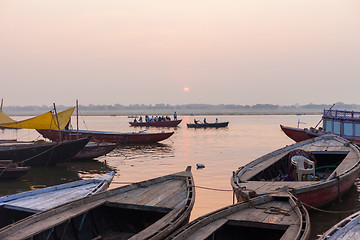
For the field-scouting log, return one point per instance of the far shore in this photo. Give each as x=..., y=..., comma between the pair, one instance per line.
x=181, y=112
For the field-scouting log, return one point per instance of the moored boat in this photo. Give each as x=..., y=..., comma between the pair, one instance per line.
x=168, y=123
x=105, y=136
x=343, y=123
x=346, y=229
x=333, y=165
x=41, y=153
x=10, y=170
x=207, y=125
x=274, y=216
x=150, y=209
x=21, y=205
x=93, y=150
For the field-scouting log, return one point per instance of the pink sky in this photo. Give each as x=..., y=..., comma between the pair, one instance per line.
x=146, y=52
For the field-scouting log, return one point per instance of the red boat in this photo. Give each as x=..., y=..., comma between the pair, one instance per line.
x=297, y=134
x=334, y=161
x=104, y=136
x=170, y=123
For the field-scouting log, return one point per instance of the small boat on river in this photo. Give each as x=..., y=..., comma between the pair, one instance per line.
x=167, y=123
x=332, y=166
x=346, y=229
x=207, y=125
x=41, y=153
x=10, y=170
x=150, y=209
x=21, y=205
x=277, y=216
x=106, y=136
x=94, y=149
x=345, y=124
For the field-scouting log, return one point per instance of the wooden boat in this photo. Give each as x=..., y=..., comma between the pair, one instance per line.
x=207, y=125
x=345, y=124
x=337, y=165
x=150, y=209
x=10, y=170
x=267, y=217
x=42, y=154
x=103, y=136
x=93, y=150
x=170, y=123
x=347, y=229
x=21, y=205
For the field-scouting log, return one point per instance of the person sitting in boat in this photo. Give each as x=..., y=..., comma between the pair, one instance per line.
x=140, y=119
x=216, y=121
x=135, y=120
x=205, y=121
x=196, y=121
x=175, y=116
x=146, y=118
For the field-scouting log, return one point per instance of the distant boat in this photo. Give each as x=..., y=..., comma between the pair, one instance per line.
x=105, y=136
x=346, y=229
x=41, y=153
x=170, y=123
x=10, y=170
x=345, y=124
x=207, y=125
x=150, y=209
x=277, y=215
x=333, y=164
x=93, y=150
x=21, y=205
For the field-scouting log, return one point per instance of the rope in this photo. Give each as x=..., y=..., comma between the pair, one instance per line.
x=50, y=149
x=328, y=211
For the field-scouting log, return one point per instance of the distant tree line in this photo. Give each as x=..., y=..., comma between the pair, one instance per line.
x=169, y=108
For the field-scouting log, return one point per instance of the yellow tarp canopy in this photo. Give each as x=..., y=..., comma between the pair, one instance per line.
x=44, y=121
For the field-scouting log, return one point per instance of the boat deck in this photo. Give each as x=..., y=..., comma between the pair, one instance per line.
x=165, y=195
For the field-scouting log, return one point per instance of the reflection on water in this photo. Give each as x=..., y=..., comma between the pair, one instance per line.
x=221, y=150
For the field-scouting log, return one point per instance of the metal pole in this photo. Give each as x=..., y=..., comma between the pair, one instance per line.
x=77, y=118
x=57, y=120
x=325, y=115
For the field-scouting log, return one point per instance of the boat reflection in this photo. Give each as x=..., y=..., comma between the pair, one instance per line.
x=157, y=150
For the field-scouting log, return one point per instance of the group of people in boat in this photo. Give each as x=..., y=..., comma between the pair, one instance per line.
x=153, y=119
x=204, y=121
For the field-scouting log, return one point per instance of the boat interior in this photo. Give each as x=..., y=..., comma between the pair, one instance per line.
x=325, y=164
x=11, y=214
x=108, y=221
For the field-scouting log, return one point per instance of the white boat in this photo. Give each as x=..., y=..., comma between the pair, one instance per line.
x=18, y=206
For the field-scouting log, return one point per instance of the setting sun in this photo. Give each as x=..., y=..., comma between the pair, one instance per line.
x=186, y=90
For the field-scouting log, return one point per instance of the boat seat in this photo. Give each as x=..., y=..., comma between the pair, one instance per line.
x=299, y=163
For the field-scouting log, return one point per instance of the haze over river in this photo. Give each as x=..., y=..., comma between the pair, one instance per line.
x=221, y=150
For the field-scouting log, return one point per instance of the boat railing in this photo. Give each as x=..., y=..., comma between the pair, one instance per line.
x=341, y=114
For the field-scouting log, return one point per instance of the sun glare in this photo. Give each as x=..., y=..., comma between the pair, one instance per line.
x=186, y=90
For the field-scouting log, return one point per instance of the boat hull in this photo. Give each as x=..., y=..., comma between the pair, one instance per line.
x=296, y=134
x=13, y=173
x=94, y=150
x=172, y=123
x=42, y=154
x=112, y=137
x=207, y=125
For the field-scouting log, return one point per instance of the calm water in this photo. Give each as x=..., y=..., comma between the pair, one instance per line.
x=222, y=151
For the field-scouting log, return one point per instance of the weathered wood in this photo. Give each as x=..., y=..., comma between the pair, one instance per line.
x=158, y=221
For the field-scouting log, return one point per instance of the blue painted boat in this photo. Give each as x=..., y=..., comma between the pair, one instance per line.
x=18, y=206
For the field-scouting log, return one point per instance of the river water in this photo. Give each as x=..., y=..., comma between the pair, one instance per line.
x=221, y=151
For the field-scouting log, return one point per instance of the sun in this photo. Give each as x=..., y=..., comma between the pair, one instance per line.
x=186, y=90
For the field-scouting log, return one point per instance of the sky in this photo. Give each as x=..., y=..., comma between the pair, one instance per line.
x=179, y=52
